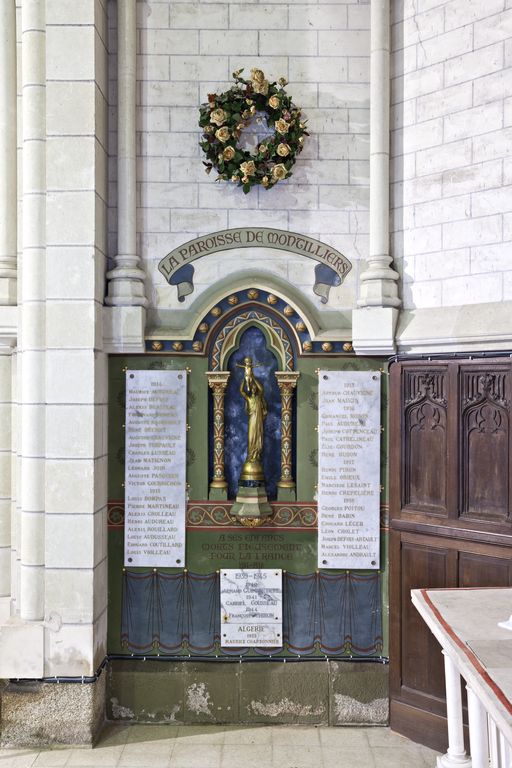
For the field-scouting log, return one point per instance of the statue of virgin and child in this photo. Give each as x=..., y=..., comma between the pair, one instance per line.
x=256, y=408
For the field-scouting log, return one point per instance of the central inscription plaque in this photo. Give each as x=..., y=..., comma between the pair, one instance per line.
x=251, y=608
x=348, y=469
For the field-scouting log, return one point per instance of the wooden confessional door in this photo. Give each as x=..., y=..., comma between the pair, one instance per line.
x=450, y=514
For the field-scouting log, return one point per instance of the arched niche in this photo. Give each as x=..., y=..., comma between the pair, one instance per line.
x=250, y=314
x=255, y=341
x=275, y=341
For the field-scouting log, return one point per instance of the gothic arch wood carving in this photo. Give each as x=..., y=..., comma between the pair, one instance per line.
x=424, y=473
x=485, y=454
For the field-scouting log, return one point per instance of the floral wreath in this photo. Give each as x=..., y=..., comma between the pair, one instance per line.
x=226, y=115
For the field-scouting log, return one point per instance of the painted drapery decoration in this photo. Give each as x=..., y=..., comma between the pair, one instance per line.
x=323, y=613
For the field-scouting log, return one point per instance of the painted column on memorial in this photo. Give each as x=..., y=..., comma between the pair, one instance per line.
x=217, y=381
x=286, y=382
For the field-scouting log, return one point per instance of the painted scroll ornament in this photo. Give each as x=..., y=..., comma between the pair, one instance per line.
x=331, y=270
x=227, y=114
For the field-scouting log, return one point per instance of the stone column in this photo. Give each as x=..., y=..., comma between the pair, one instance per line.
x=456, y=754
x=5, y=484
x=125, y=323
x=8, y=282
x=375, y=321
x=8, y=169
x=217, y=381
x=478, y=736
x=33, y=312
x=497, y=752
x=286, y=486
x=15, y=486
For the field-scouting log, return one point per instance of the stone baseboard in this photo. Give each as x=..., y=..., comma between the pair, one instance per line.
x=36, y=714
x=306, y=692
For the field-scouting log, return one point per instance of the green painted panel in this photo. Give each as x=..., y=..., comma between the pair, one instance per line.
x=210, y=550
x=197, y=445
x=115, y=587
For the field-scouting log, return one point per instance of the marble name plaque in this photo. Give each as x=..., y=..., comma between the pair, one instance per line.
x=251, y=604
x=155, y=468
x=349, y=469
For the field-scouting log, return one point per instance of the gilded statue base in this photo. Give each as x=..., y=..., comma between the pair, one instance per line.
x=251, y=505
x=252, y=471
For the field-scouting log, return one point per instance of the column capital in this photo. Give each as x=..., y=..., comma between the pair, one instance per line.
x=217, y=380
x=287, y=380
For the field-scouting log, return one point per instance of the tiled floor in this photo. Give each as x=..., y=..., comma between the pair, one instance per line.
x=162, y=746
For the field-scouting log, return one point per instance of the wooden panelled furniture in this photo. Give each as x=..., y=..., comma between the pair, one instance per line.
x=450, y=513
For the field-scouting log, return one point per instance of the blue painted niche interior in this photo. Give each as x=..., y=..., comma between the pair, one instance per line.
x=252, y=344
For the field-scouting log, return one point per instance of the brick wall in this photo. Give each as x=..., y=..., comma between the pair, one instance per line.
x=189, y=49
x=451, y=146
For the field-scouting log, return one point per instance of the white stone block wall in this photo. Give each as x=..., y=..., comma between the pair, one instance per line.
x=53, y=390
x=76, y=367
x=451, y=151
x=189, y=49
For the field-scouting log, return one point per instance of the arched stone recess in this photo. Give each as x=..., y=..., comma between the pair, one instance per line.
x=194, y=330
x=311, y=282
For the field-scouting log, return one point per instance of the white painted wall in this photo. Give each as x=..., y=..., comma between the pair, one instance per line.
x=189, y=49
x=451, y=145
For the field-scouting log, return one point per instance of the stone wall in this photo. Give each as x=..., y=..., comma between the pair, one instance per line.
x=54, y=595
x=451, y=138
x=187, y=50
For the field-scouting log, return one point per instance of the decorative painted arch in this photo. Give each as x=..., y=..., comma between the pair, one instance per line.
x=227, y=338
x=275, y=341
x=288, y=328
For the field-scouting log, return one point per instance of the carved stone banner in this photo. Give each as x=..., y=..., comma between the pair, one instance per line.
x=251, y=608
x=348, y=469
x=155, y=469
x=331, y=270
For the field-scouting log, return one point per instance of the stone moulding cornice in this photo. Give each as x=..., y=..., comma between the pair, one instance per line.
x=470, y=327
x=8, y=329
